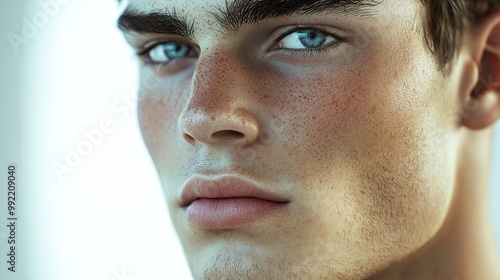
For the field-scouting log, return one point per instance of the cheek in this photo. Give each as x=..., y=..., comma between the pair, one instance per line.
x=404, y=153
x=160, y=105
x=369, y=143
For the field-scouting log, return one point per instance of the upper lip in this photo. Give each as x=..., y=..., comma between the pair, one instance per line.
x=224, y=186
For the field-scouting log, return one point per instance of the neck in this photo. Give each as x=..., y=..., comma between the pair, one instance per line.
x=465, y=246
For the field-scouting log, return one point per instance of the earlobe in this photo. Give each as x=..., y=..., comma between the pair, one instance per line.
x=486, y=94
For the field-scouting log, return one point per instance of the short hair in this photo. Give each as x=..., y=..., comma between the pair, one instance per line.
x=446, y=20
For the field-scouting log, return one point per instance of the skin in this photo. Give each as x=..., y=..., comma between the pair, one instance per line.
x=382, y=156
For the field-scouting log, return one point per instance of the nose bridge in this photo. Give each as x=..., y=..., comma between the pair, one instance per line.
x=216, y=110
x=213, y=81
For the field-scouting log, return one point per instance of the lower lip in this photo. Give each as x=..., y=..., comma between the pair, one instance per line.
x=228, y=213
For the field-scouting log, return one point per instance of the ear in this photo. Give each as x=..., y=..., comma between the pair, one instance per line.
x=485, y=97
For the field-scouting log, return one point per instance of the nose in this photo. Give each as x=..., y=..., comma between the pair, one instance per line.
x=231, y=126
x=219, y=110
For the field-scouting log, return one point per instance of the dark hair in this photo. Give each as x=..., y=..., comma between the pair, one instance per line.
x=446, y=20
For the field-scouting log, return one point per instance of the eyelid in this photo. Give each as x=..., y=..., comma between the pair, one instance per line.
x=145, y=59
x=145, y=48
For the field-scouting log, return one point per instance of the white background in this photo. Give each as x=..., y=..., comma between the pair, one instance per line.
x=106, y=219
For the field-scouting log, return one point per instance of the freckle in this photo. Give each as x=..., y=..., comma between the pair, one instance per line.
x=212, y=118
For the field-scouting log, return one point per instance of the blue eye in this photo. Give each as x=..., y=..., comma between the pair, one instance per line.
x=306, y=39
x=166, y=52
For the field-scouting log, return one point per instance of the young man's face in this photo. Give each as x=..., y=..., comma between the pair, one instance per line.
x=340, y=118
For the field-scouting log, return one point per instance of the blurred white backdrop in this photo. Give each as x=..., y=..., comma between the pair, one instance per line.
x=106, y=219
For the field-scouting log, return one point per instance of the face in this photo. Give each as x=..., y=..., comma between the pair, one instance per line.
x=302, y=146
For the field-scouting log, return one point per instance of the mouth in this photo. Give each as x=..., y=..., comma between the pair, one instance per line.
x=227, y=202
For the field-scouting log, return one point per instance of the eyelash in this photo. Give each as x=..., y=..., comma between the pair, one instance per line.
x=148, y=62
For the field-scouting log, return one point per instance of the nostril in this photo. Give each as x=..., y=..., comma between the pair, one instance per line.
x=229, y=127
x=228, y=134
x=188, y=138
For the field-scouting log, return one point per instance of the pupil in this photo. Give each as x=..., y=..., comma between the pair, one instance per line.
x=175, y=51
x=312, y=38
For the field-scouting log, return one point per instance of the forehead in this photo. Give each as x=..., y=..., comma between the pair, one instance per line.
x=158, y=4
x=194, y=9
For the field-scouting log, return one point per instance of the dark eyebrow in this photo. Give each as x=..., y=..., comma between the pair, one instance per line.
x=165, y=22
x=239, y=12
x=236, y=13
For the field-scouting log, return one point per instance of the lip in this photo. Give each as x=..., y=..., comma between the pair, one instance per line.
x=227, y=202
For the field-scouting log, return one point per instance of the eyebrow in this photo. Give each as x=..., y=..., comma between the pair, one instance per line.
x=236, y=13
x=239, y=12
x=165, y=22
